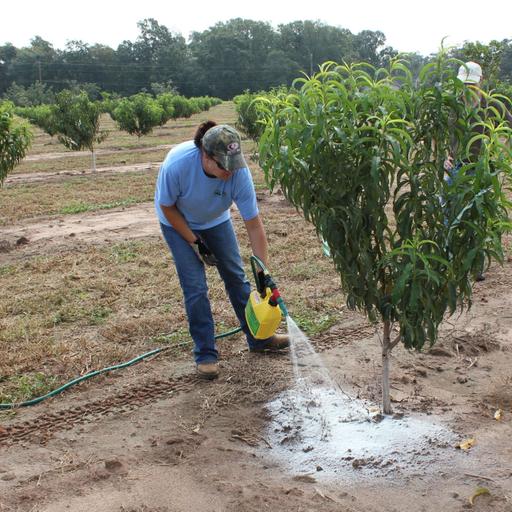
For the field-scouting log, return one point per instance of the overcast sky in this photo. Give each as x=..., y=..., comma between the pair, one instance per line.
x=409, y=25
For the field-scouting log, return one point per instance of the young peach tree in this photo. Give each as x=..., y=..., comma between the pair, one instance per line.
x=139, y=114
x=76, y=120
x=360, y=151
x=15, y=139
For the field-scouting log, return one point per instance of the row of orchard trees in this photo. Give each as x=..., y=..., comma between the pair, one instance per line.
x=361, y=151
x=15, y=139
x=75, y=119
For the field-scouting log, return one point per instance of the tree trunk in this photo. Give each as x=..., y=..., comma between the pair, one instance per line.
x=93, y=160
x=386, y=356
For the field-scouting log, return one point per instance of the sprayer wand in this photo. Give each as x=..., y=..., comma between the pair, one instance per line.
x=264, y=280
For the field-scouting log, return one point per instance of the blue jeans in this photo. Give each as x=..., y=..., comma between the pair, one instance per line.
x=222, y=241
x=452, y=173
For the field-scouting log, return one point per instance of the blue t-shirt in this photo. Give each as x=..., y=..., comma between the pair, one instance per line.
x=204, y=202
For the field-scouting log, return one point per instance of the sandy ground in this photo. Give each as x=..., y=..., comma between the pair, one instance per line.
x=153, y=438
x=54, y=155
x=29, y=178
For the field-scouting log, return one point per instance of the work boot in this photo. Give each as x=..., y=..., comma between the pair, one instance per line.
x=277, y=343
x=208, y=371
x=480, y=277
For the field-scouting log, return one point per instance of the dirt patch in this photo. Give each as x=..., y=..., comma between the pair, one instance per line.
x=67, y=154
x=475, y=344
x=37, y=236
x=28, y=178
x=113, y=225
x=212, y=441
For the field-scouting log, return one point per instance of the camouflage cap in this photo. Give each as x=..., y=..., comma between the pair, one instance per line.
x=223, y=142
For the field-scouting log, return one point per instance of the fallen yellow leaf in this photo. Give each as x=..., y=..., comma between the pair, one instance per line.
x=467, y=444
x=498, y=415
x=479, y=491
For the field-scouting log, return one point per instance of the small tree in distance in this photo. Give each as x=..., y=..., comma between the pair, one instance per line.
x=40, y=116
x=360, y=152
x=139, y=114
x=248, y=115
x=76, y=120
x=15, y=139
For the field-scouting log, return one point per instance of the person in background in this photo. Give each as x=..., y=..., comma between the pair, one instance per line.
x=196, y=186
x=471, y=74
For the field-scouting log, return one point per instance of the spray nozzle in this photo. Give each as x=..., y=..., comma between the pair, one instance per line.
x=282, y=305
x=277, y=300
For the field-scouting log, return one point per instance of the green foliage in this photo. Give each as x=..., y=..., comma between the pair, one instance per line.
x=138, y=114
x=35, y=94
x=249, y=117
x=182, y=107
x=166, y=101
x=77, y=121
x=108, y=102
x=206, y=102
x=92, y=90
x=223, y=60
x=26, y=387
x=163, y=88
x=15, y=139
x=505, y=89
x=360, y=152
x=41, y=116
x=313, y=323
x=176, y=106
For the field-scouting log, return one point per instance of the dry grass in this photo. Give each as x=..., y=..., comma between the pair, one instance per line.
x=68, y=313
x=75, y=195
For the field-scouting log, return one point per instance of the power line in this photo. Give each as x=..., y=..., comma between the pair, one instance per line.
x=121, y=66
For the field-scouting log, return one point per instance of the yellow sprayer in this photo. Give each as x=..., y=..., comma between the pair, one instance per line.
x=262, y=312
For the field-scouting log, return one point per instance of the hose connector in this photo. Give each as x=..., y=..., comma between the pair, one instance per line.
x=282, y=305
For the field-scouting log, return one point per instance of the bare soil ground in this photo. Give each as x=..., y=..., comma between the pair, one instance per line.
x=152, y=438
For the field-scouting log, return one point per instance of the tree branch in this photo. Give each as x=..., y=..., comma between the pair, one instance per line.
x=393, y=344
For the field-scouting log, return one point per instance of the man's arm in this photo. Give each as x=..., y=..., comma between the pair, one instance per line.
x=257, y=238
x=178, y=222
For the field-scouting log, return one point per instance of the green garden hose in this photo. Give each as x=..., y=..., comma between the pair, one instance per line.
x=89, y=375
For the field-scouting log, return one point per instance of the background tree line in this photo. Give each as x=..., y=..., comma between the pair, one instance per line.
x=222, y=61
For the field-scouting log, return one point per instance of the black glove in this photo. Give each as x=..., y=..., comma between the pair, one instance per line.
x=203, y=253
x=261, y=282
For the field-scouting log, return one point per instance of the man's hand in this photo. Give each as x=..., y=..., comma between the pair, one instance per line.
x=448, y=163
x=203, y=253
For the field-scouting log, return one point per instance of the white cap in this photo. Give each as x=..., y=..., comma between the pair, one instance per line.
x=470, y=73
